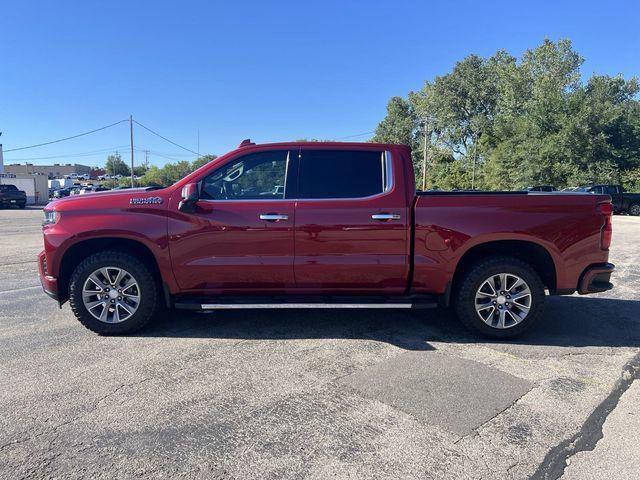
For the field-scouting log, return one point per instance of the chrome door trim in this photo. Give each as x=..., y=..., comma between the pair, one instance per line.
x=385, y=216
x=389, y=185
x=273, y=217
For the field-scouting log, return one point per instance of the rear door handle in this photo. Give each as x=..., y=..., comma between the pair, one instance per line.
x=385, y=216
x=273, y=217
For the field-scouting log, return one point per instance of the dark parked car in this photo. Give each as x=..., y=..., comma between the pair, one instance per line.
x=541, y=188
x=10, y=196
x=622, y=201
x=62, y=192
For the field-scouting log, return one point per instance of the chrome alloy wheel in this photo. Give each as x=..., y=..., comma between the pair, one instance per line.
x=503, y=300
x=111, y=294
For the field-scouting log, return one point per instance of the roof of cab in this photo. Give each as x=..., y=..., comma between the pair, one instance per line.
x=248, y=143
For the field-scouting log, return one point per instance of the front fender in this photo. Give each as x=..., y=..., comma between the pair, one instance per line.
x=80, y=234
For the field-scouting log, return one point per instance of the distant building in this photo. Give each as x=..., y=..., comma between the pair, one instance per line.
x=51, y=171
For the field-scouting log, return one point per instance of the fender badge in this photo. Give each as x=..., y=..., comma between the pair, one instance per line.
x=145, y=201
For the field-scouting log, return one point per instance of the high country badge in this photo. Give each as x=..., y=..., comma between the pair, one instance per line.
x=145, y=201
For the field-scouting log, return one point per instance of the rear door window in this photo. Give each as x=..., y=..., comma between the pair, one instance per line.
x=341, y=174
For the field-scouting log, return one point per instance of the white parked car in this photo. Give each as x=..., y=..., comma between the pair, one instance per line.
x=92, y=189
x=78, y=176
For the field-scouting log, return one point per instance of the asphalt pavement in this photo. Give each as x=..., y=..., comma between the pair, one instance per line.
x=317, y=394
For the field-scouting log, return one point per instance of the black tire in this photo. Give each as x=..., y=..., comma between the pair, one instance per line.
x=149, y=292
x=634, y=209
x=22, y=205
x=465, y=295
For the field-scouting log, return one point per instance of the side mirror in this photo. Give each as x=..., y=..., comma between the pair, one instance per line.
x=190, y=196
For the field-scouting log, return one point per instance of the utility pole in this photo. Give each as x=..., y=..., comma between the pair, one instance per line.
x=113, y=168
x=475, y=159
x=473, y=172
x=146, y=160
x=424, y=158
x=1, y=158
x=131, y=132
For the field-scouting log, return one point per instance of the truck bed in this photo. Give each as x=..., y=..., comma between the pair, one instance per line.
x=448, y=225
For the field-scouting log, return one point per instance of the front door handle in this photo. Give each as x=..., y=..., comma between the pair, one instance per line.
x=273, y=217
x=383, y=217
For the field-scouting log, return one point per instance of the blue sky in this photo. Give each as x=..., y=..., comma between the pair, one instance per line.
x=271, y=71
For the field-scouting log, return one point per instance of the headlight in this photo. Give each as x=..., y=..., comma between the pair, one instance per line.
x=50, y=217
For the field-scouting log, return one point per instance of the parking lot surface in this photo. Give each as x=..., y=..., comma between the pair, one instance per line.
x=316, y=394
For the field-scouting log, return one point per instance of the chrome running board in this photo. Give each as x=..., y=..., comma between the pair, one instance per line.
x=235, y=306
x=227, y=302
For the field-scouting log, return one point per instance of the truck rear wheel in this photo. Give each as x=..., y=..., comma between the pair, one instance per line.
x=500, y=297
x=634, y=209
x=112, y=292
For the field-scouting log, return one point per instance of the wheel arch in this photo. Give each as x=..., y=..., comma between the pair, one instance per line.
x=80, y=250
x=527, y=251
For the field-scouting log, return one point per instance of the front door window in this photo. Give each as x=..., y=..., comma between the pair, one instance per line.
x=257, y=176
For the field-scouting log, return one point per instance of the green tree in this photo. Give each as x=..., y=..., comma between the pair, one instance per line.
x=172, y=172
x=399, y=125
x=116, y=166
x=504, y=123
x=196, y=164
x=139, y=170
x=166, y=175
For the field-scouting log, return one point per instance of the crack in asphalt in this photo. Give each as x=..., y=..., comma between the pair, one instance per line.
x=555, y=462
x=55, y=428
x=476, y=431
x=18, y=263
x=20, y=289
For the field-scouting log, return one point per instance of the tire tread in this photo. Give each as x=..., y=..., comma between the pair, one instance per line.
x=478, y=272
x=144, y=277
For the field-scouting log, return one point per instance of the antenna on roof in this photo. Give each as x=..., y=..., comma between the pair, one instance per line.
x=246, y=142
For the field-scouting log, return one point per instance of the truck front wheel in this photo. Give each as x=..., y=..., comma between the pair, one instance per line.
x=500, y=297
x=112, y=292
x=634, y=209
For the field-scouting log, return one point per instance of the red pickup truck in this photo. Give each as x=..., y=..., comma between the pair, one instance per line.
x=321, y=225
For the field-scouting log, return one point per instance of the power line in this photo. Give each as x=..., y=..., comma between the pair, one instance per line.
x=176, y=159
x=164, y=156
x=356, y=135
x=166, y=139
x=171, y=154
x=67, y=138
x=70, y=155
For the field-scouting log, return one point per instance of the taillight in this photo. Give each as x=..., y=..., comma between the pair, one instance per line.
x=606, y=210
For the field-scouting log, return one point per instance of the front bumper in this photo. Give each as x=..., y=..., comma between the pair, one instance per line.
x=596, y=278
x=49, y=283
x=10, y=203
